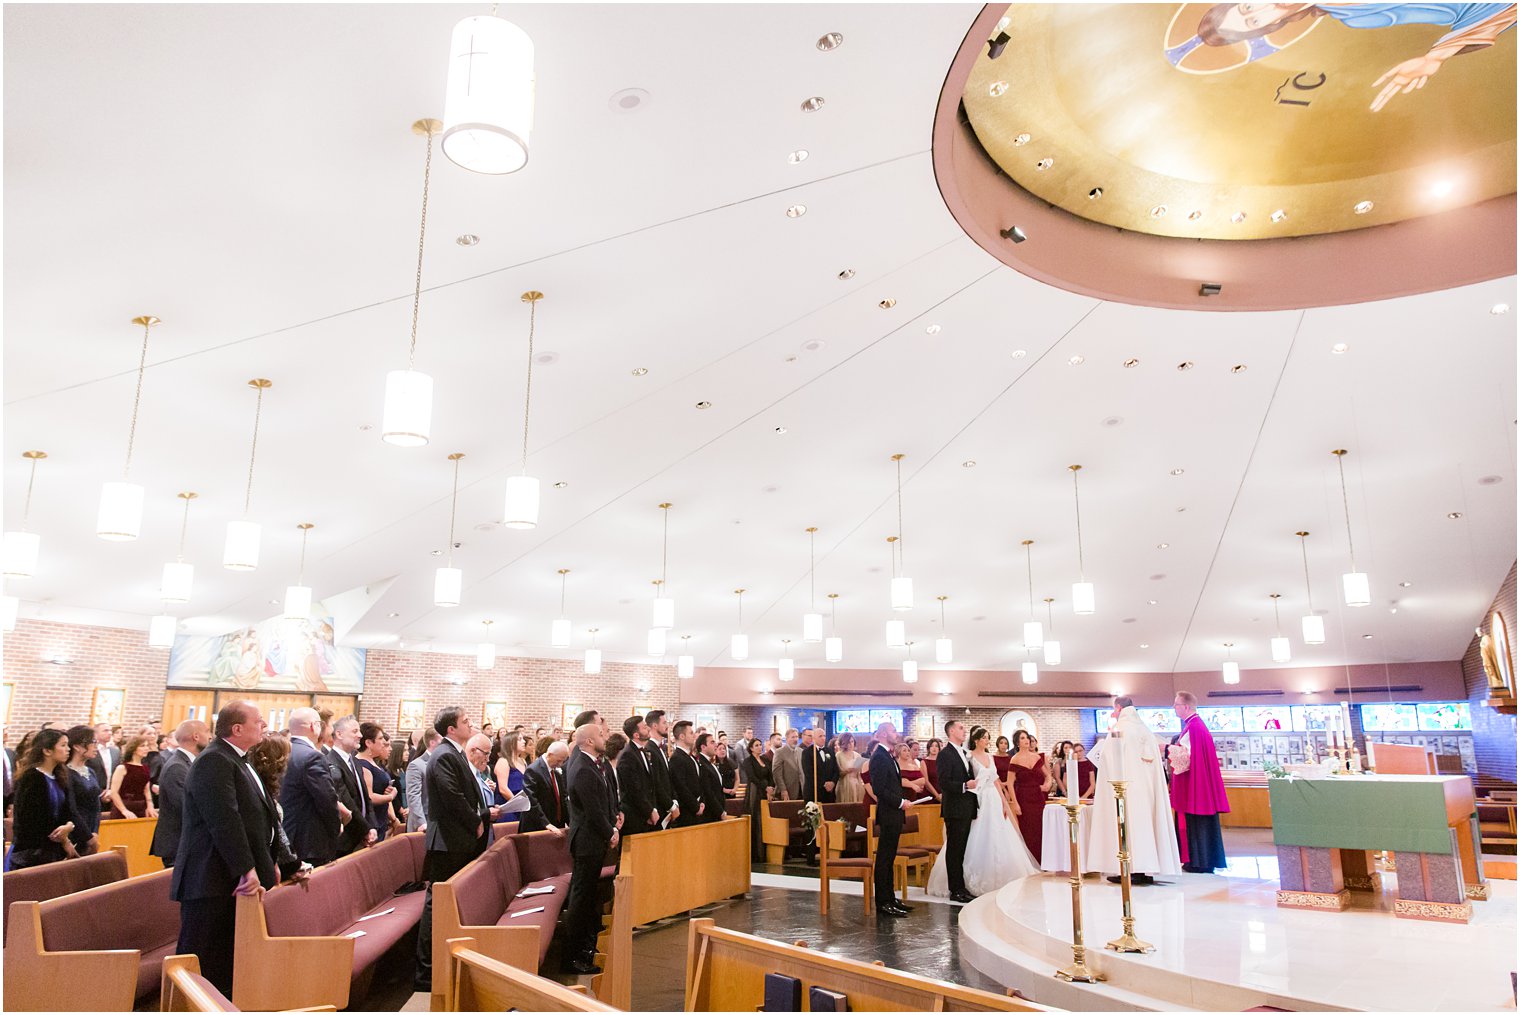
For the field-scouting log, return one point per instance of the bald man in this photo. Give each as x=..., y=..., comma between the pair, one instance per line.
x=190, y=738
x=545, y=783
x=313, y=818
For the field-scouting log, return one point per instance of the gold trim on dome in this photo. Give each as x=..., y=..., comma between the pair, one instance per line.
x=1242, y=141
x=1447, y=912
x=1336, y=901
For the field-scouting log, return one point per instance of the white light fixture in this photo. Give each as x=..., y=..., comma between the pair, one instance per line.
x=120, y=514
x=1052, y=647
x=178, y=577
x=897, y=633
x=1282, y=650
x=1354, y=584
x=686, y=666
x=161, y=631
x=520, y=510
x=407, y=418
x=298, y=596
x=664, y=606
x=19, y=554
x=593, y=654
x=485, y=652
x=448, y=581
x=812, y=621
x=10, y=606
x=559, y=630
x=1231, y=667
x=910, y=671
x=1029, y=672
x=1083, y=595
x=944, y=652
x=655, y=643
x=785, y=668
x=738, y=645
x=902, y=585
x=240, y=551
x=1034, y=633
x=488, y=101
x=1313, y=623
x=833, y=645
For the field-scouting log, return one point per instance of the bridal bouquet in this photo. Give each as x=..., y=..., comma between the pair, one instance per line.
x=812, y=816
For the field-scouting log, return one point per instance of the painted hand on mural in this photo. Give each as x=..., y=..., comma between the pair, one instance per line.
x=1404, y=78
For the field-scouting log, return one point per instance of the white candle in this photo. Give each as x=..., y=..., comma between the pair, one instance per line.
x=1073, y=784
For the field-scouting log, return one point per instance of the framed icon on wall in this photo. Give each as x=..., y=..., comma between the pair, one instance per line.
x=495, y=713
x=411, y=714
x=567, y=713
x=108, y=705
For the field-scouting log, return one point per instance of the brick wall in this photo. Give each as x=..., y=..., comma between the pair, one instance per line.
x=1493, y=732
x=109, y=657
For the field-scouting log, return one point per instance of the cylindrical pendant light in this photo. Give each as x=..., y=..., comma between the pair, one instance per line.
x=19, y=555
x=485, y=651
x=897, y=633
x=785, y=669
x=488, y=102
x=1282, y=651
x=161, y=631
x=686, y=665
x=664, y=613
x=240, y=551
x=738, y=645
x=559, y=631
x=10, y=606
x=520, y=510
x=1354, y=584
x=1029, y=672
x=448, y=581
x=833, y=645
x=656, y=641
x=298, y=596
x=1313, y=623
x=593, y=654
x=902, y=585
x=178, y=577
x=944, y=652
x=1052, y=647
x=812, y=621
x=1034, y=632
x=407, y=419
x=1231, y=667
x=120, y=514
x=1084, y=598
x=910, y=671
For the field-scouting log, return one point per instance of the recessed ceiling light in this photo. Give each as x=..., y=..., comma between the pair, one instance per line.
x=887, y=304
x=1195, y=215
x=1158, y=577
x=1362, y=207
x=274, y=602
x=1405, y=585
x=1018, y=354
x=1020, y=140
x=1144, y=645
x=1077, y=360
x=1131, y=362
x=997, y=88
x=704, y=405
x=1181, y=509
x=1127, y=620
x=1339, y=348
x=1112, y=420
x=847, y=274
x=1366, y=637
x=1151, y=602
x=781, y=429
x=437, y=553
x=969, y=463
x=932, y=329
x=831, y=41
x=1499, y=308
x=1177, y=472
x=796, y=211
x=467, y=239
x=1238, y=368
x=800, y=155
x=1441, y=188
x=393, y=616
x=1163, y=546
x=546, y=358
x=1454, y=515
x=1279, y=215
x=561, y=485
x=1095, y=193
x=1159, y=211
x=366, y=427
x=1045, y=163
x=813, y=345
x=813, y=104
x=1490, y=480
x=790, y=359
x=639, y=371
x=1186, y=364
x=628, y=100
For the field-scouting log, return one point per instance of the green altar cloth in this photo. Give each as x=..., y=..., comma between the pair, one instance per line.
x=1400, y=813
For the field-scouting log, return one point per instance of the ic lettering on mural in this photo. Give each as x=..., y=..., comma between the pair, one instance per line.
x=1297, y=88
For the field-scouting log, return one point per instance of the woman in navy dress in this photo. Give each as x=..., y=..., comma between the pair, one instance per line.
x=509, y=760
x=374, y=751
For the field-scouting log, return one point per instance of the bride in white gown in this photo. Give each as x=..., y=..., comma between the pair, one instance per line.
x=995, y=850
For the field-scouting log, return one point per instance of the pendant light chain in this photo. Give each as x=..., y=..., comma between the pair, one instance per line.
x=26, y=512
x=427, y=171
x=812, y=563
x=1050, y=617
x=142, y=364
x=1340, y=464
x=1029, y=564
x=562, y=573
x=1276, y=619
x=1308, y=589
x=306, y=528
x=184, y=522
x=740, y=594
x=1076, y=496
x=902, y=563
x=528, y=392
x=259, y=387
x=833, y=600
x=454, y=503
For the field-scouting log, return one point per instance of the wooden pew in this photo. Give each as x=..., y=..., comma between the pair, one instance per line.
x=725, y=971
x=54, y=880
x=478, y=982
x=136, y=835
x=185, y=989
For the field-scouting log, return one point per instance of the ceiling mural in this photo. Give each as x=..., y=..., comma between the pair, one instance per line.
x=1250, y=121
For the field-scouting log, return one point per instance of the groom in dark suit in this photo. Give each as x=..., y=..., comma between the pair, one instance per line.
x=886, y=784
x=958, y=808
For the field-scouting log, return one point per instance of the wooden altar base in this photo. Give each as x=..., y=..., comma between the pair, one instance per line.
x=1445, y=912
x=1335, y=901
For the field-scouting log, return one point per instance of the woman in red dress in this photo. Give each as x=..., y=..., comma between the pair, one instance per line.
x=1029, y=783
x=129, y=783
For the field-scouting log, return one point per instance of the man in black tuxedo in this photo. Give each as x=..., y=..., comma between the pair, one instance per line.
x=226, y=844
x=685, y=778
x=659, y=762
x=349, y=785
x=458, y=823
x=191, y=738
x=820, y=774
x=958, y=807
x=308, y=795
x=886, y=784
x=544, y=782
x=592, y=834
x=636, y=792
x=711, y=780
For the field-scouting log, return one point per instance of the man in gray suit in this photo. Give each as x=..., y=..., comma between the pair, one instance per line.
x=191, y=738
x=786, y=767
x=416, y=784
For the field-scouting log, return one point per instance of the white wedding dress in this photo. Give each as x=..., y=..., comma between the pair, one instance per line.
x=995, y=850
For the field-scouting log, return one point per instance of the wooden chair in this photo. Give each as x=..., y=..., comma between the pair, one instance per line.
x=478, y=982
x=183, y=988
x=860, y=868
x=911, y=859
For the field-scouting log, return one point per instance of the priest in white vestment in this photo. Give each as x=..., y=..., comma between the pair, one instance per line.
x=1130, y=753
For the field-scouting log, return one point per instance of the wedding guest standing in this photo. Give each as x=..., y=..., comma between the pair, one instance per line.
x=786, y=768
x=850, y=789
x=129, y=783
x=685, y=777
x=378, y=791
x=757, y=787
x=655, y=748
x=915, y=780
x=44, y=817
x=636, y=786
x=820, y=770
x=1198, y=795
x=313, y=819
x=959, y=806
x=1087, y=772
x=190, y=738
x=1030, y=783
x=82, y=747
x=711, y=780
x=886, y=785
x=416, y=781
x=592, y=834
x=509, y=763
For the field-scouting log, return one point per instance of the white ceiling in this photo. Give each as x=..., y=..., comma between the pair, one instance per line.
x=248, y=174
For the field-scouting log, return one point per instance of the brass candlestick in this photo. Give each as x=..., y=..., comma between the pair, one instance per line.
x=1077, y=972
x=1126, y=942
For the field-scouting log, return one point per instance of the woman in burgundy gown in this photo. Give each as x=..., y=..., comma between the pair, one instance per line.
x=1030, y=782
x=129, y=783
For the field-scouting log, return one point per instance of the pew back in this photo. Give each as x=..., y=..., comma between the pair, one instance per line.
x=136, y=834
x=682, y=868
x=478, y=982
x=52, y=880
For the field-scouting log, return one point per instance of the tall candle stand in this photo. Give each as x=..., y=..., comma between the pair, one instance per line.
x=1126, y=942
x=1077, y=972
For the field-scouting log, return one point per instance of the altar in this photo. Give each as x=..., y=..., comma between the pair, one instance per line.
x=1325, y=830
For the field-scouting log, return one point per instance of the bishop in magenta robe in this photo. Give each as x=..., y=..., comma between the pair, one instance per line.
x=1198, y=796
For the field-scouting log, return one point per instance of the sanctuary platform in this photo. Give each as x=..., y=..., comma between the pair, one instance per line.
x=1223, y=944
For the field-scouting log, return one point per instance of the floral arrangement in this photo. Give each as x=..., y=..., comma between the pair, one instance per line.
x=812, y=816
x=1275, y=771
